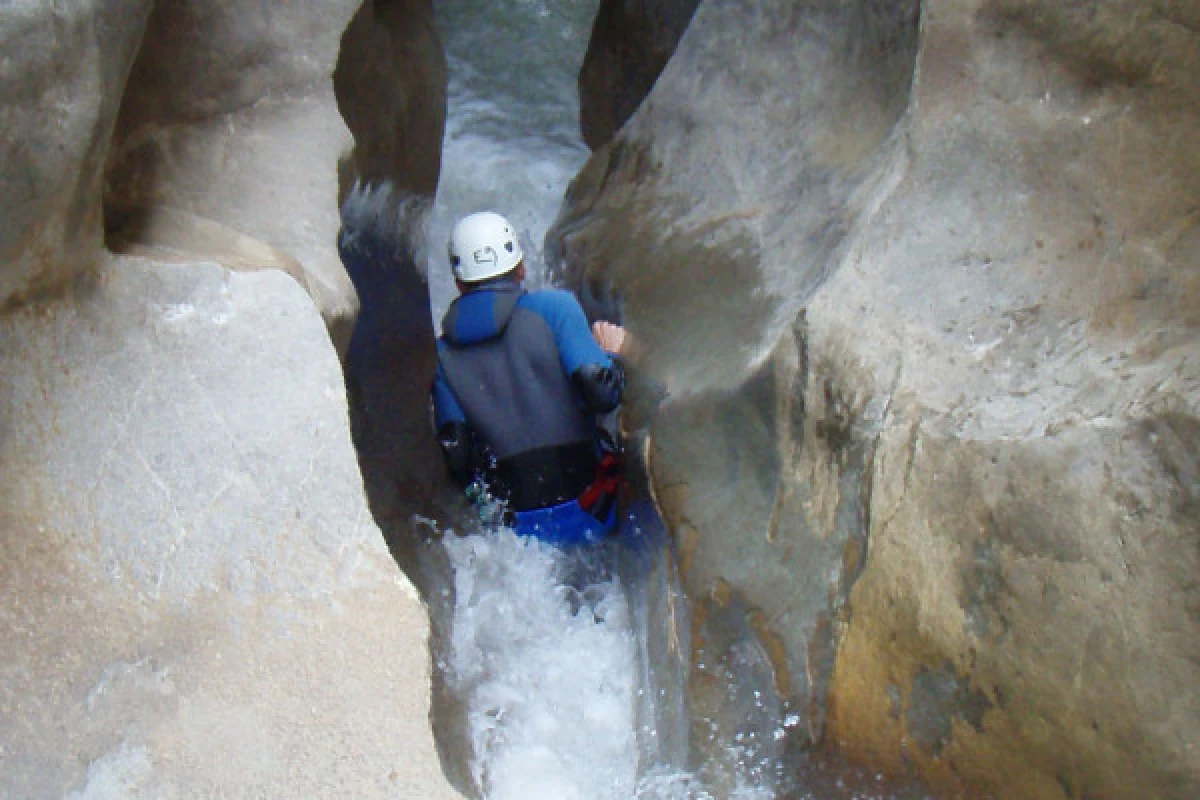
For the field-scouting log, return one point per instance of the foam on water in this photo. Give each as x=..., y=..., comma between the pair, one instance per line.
x=512, y=138
x=542, y=654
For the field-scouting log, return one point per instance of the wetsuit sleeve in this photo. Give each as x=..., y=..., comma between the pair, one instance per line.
x=453, y=433
x=572, y=335
x=445, y=405
x=597, y=376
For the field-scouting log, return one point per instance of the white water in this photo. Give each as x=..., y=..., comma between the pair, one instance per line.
x=543, y=656
x=546, y=669
x=512, y=131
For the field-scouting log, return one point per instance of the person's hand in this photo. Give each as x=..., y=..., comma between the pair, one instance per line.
x=610, y=337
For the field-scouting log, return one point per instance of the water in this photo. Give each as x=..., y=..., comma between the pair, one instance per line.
x=512, y=132
x=542, y=652
x=547, y=655
x=570, y=667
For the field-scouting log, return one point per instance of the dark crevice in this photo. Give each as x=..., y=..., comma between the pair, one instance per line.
x=390, y=87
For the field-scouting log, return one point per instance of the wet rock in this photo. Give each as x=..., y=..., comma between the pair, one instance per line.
x=927, y=320
x=391, y=88
x=936, y=698
x=390, y=363
x=630, y=44
x=736, y=698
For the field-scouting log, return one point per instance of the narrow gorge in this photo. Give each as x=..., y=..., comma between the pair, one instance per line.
x=916, y=292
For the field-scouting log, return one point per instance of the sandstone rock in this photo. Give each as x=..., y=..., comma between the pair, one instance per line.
x=1031, y=459
x=932, y=360
x=61, y=77
x=765, y=219
x=229, y=115
x=196, y=599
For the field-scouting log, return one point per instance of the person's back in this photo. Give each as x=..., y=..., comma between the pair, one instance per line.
x=518, y=386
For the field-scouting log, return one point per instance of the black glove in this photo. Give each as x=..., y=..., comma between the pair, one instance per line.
x=600, y=387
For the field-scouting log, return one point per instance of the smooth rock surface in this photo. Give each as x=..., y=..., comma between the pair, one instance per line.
x=391, y=89
x=630, y=44
x=61, y=76
x=196, y=599
x=229, y=115
x=932, y=358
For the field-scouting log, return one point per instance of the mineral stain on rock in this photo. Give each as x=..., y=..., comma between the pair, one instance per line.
x=1175, y=439
x=983, y=584
x=936, y=698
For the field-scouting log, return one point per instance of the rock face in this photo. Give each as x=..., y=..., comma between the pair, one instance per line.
x=196, y=599
x=60, y=82
x=391, y=87
x=229, y=115
x=928, y=323
x=631, y=42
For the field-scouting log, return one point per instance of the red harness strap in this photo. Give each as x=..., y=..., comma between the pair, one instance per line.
x=608, y=478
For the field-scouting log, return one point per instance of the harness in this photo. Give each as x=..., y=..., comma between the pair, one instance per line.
x=597, y=499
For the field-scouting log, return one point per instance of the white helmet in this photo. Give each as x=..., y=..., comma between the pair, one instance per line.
x=483, y=246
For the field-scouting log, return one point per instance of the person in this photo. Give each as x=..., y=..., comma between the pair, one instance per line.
x=519, y=385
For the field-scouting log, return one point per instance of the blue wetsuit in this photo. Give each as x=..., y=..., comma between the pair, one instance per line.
x=518, y=386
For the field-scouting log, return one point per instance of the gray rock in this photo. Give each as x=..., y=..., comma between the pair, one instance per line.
x=61, y=77
x=196, y=599
x=391, y=88
x=229, y=115
x=931, y=358
x=194, y=596
x=630, y=44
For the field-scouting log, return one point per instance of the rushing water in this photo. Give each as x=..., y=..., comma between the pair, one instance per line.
x=541, y=651
x=512, y=134
x=548, y=653
x=569, y=667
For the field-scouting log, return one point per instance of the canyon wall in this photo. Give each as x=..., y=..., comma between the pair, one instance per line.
x=630, y=44
x=921, y=286
x=195, y=598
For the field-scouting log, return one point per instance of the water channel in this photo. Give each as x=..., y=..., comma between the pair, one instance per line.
x=569, y=668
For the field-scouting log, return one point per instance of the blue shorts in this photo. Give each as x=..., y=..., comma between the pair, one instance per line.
x=564, y=525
